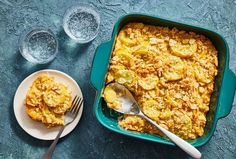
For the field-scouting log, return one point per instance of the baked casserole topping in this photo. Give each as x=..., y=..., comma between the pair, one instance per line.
x=171, y=74
x=47, y=101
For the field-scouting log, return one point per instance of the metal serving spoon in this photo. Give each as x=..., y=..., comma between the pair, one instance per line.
x=130, y=106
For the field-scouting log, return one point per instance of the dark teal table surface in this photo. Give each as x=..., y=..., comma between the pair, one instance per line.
x=90, y=139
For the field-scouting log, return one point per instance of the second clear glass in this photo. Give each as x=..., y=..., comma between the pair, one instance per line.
x=81, y=23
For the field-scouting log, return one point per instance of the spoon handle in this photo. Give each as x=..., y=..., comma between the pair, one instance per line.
x=184, y=145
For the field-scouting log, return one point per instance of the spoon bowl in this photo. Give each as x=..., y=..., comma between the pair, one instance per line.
x=126, y=99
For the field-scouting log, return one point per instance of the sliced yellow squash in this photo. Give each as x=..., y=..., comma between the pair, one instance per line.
x=125, y=76
x=116, y=68
x=110, y=95
x=109, y=78
x=59, y=94
x=182, y=49
x=202, y=75
x=172, y=75
x=153, y=104
x=141, y=52
x=150, y=111
x=148, y=83
x=126, y=40
x=174, y=69
x=124, y=55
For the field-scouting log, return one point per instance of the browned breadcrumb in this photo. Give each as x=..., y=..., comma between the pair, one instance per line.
x=170, y=73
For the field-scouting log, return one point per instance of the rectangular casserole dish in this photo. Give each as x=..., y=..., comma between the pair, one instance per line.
x=221, y=99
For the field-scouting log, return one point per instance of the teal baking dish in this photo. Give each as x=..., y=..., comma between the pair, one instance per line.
x=221, y=99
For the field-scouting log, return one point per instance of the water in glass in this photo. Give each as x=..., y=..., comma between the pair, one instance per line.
x=81, y=23
x=39, y=46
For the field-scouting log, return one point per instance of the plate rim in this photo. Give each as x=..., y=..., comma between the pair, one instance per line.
x=27, y=78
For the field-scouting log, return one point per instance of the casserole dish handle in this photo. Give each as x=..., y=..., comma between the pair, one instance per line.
x=100, y=63
x=227, y=94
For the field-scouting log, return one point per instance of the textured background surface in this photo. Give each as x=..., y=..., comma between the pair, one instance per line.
x=90, y=139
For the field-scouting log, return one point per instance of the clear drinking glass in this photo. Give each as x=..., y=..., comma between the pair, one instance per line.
x=81, y=23
x=39, y=45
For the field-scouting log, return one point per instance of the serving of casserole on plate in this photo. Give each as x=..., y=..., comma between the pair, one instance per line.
x=178, y=74
x=47, y=101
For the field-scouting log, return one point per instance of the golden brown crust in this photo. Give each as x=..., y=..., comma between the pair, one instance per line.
x=34, y=113
x=170, y=73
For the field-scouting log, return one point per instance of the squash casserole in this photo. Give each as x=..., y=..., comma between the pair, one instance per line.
x=47, y=101
x=170, y=73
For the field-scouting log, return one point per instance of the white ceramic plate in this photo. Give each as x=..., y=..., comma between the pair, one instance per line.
x=37, y=129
